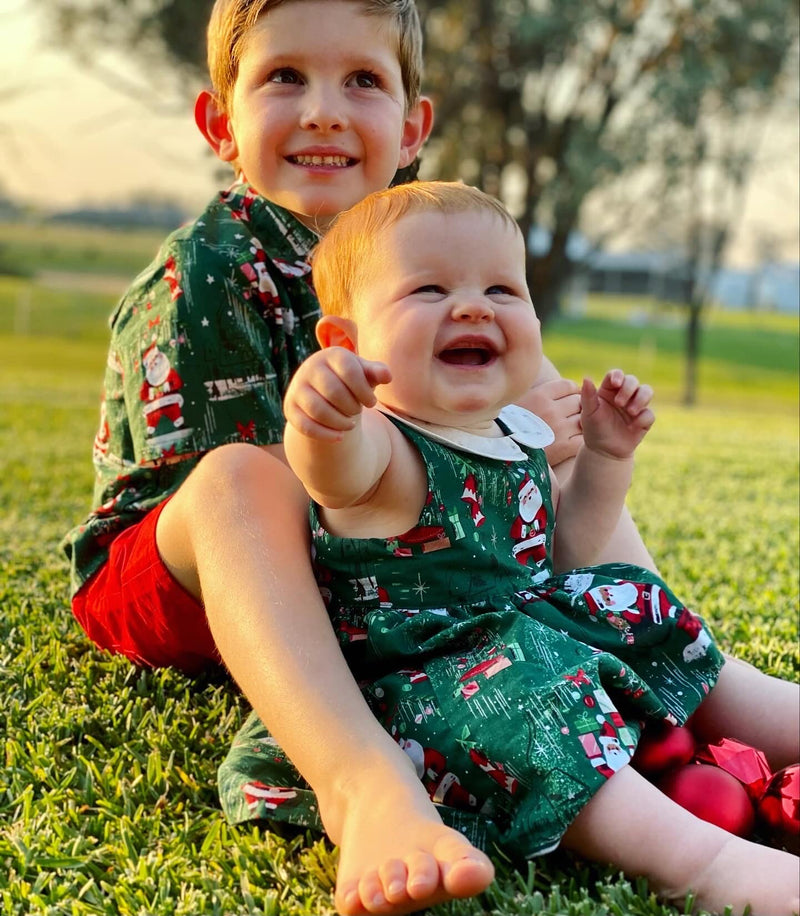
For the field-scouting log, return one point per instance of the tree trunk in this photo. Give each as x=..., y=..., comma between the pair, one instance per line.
x=692, y=353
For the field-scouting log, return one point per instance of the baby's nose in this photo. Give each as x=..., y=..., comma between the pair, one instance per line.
x=473, y=308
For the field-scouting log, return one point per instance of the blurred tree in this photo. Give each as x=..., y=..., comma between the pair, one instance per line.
x=166, y=38
x=546, y=101
x=542, y=101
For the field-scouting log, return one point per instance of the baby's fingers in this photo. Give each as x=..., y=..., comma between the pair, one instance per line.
x=625, y=392
x=376, y=374
x=643, y=420
x=639, y=401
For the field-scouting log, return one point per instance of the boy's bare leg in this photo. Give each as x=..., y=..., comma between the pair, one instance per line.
x=632, y=825
x=753, y=707
x=237, y=533
x=625, y=545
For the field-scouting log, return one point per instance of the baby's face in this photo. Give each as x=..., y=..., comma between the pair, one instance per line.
x=445, y=304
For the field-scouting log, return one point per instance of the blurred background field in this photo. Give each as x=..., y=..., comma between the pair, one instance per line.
x=107, y=798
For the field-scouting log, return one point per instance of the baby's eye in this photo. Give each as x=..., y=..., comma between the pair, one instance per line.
x=365, y=79
x=431, y=288
x=284, y=75
x=500, y=290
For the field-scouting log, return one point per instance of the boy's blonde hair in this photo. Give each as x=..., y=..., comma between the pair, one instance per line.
x=346, y=251
x=231, y=21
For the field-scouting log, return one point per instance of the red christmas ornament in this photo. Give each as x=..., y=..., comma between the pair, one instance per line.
x=663, y=746
x=746, y=763
x=779, y=808
x=712, y=795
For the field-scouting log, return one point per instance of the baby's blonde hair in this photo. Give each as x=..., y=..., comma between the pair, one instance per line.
x=232, y=20
x=346, y=251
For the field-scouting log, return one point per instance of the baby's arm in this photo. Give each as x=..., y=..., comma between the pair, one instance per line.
x=615, y=419
x=348, y=456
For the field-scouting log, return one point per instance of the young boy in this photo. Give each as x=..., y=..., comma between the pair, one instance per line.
x=514, y=671
x=197, y=549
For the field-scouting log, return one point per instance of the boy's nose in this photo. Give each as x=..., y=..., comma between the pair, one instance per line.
x=323, y=110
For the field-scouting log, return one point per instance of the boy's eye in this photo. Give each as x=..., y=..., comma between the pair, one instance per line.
x=284, y=75
x=364, y=79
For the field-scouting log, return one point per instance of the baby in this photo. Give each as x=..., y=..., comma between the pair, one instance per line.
x=459, y=576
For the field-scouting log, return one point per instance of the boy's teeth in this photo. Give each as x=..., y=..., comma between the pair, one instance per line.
x=321, y=160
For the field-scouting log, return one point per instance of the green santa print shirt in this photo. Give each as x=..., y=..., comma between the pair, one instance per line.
x=202, y=348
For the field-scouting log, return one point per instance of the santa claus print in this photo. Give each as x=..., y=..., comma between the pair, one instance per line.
x=271, y=797
x=473, y=500
x=635, y=602
x=692, y=625
x=159, y=390
x=529, y=527
x=495, y=770
x=443, y=786
x=173, y=279
x=605, y=751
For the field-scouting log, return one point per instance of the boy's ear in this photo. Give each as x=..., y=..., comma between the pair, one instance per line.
x=416, y=130
x=214, y=125
x=333, y=331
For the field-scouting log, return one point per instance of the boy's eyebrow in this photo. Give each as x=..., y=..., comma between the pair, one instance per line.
x=362, y=58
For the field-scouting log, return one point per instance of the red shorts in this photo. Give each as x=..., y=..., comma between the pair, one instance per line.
x=133, y=606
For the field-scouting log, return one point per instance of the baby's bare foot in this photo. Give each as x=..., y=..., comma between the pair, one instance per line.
x=396, y=856
x=746, y=874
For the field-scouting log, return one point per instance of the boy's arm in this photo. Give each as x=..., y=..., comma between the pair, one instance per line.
x=615, y=418
x=557, y=401
x=349, y=457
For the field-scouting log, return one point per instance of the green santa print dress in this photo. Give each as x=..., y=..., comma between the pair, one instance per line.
x=517, y=693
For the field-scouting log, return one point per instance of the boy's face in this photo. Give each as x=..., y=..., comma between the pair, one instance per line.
x=318, y=117
x=444, y=303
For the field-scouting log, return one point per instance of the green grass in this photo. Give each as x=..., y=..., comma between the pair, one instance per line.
x=107, y=796
x=36, y=246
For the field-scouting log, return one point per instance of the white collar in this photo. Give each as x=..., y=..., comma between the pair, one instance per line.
x=523, y=427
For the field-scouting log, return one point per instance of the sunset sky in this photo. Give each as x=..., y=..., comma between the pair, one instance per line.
x=66, y=138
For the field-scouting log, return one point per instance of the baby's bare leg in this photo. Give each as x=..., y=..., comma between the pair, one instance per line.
x=632, y=825
x=755, y=708
x=237, y=533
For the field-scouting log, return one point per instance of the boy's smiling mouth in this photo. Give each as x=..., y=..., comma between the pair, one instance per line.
x=337, y=161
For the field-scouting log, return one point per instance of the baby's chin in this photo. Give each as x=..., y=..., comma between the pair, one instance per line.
x=478, y=422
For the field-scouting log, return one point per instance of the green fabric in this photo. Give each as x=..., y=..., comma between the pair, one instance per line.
x=517, y=693
x=202, y=348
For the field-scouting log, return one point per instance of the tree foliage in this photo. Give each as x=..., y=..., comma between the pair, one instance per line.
x=540, y=101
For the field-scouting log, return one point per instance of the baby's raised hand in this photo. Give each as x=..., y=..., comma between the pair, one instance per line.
x=616, y=416
x=329, y=391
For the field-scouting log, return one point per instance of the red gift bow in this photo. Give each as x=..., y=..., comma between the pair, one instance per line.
x=747, y=764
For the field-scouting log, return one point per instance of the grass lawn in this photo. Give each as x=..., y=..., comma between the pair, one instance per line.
x=108, y=793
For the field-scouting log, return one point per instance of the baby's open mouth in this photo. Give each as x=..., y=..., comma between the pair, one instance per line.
x=466, y=356
x=339, y=162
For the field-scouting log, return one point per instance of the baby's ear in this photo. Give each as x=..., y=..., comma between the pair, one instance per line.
x=333, y=331
x=214, y=124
